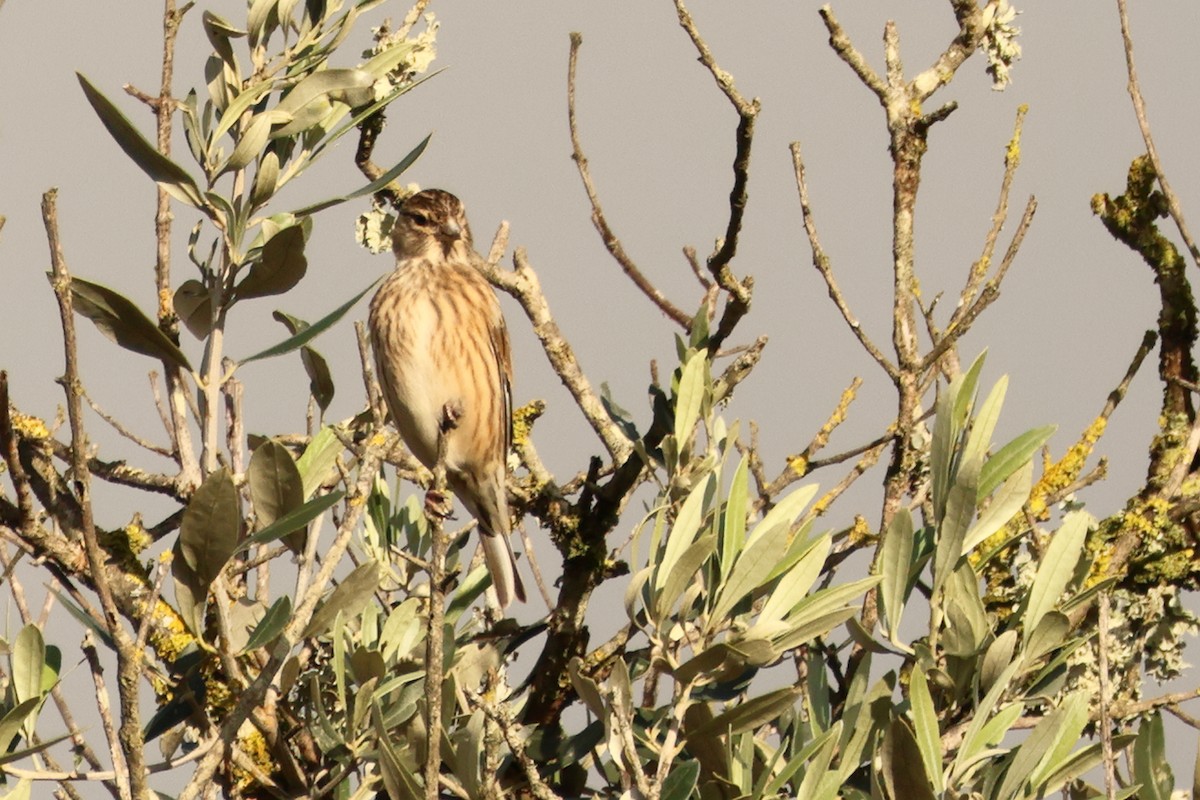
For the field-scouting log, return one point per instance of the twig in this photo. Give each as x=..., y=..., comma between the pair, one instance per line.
x=522, y=284
x=537, y=569
x=120, y=768
x=168, y=322
x=979, y=270
x=846, y=51
x=495, y=713
x=823, y=265
x=435, y=632
x=121, y=429
x=672, y=312
x=798, y=465
x=129, y=659
x=989, y=294
x=1139, y=108
x=252, y=697
x=1106, y=743
x=78, y=741
x=739, y=292
x=12, y=459
x=370, y=382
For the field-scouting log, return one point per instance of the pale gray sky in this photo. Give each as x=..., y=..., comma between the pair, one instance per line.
x=659, y=137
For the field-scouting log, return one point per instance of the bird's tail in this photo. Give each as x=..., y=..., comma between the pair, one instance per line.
x=502, y=565
x=485, y=499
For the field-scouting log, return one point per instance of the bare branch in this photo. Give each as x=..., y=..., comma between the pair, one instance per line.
x=522, y=284
x=739, y=292
x=821, y=262
x=1139, y=108
x=673, y=312
x=129, y=659
x=841, y=44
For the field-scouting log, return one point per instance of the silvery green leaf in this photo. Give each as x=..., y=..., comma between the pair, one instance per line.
x=819, y=754
x=690, y=395
x=752, y=568
x=280, y=267
x=374, y=186
x=686, y=528
x=193, y=304
x=208, y=535
x=984, y=423
x=1049, y=634
x=1038, y=750
x=681, y=781
x=997, y=658
x=274, y=482
x=1151, y=768
x=960, y=510
x=587, y=689
x=682, y=573
x=895, y=565
x=294, y=520
x=169, y=175
x=119, y=318
x=974, y=740
x=751, y=714
x=1057, y=566
x=354, y=592
x=1009, y=458
x=925, y=727
x=312, y=331
x=1007, y=503
x=271, y=625
x=249, y=144
x=28, y=661
x=784, y=512
x=901, y=764
x=733, y=520
x=796, y=583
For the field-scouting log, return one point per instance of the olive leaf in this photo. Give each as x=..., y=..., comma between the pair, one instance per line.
x=122, y=321
x=320, y=379
x=276, y=489
x=172, y=177
x=281, y=266
x=193, y=304
x=208, y=535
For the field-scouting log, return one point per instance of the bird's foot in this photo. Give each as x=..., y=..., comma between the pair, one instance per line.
x=439, y=504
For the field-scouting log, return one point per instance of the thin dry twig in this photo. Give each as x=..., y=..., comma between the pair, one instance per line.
x=116, y=425
x=1139, y=108
x=989, y=294
x=1106, y=742
x=738, y=291
x=129, y=659
x=611, y=242
x=825, y=268
x=120, y=768
x=500, y=718
x=522, y=284
x=435, y=632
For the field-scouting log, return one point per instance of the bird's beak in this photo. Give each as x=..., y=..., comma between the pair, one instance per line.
x=451, y=230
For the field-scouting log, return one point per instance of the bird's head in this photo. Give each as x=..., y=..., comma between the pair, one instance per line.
x=431, y=224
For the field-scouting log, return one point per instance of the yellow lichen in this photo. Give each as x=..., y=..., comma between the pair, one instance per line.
x=28, y=427
x=799, y=465
x=1061, y=474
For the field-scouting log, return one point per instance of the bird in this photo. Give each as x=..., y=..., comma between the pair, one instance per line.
x=442, y=354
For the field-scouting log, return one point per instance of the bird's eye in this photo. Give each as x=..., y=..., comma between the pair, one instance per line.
x=417, y=217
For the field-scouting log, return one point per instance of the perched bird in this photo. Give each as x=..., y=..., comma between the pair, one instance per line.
x=441, y=349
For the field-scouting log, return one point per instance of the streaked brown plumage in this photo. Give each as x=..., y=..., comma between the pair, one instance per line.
x=439, y=341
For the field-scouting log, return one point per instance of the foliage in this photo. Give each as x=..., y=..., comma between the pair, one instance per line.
x=290, y=652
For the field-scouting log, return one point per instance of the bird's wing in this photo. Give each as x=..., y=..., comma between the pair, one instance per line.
x=503, y=352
